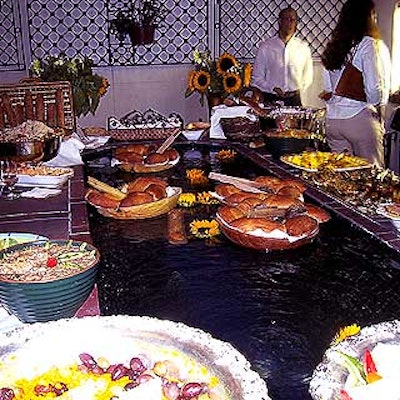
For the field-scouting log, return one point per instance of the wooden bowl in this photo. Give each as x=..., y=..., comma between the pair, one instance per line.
x=261, y=242
x=143, y=211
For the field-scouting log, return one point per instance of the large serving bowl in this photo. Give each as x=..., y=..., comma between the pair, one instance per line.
x=189, y=356
x=259, y=242
x=48, y=293
x=331, y=375
x=34, y=150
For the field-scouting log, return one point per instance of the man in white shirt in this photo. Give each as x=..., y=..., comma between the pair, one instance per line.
x=283, y=66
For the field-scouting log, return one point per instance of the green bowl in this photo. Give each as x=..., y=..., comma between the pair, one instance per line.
x=47, y=299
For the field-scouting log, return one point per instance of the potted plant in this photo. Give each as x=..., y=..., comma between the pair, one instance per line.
x=140, y=20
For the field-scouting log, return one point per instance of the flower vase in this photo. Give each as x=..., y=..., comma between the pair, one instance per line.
x=142, y=34
x=214, y=99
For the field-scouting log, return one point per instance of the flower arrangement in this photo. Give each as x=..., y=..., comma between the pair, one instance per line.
x=204, y=229
x=221, y=77
x=87, y=87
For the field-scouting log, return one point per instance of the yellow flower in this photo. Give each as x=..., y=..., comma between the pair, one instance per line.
x=206, y=198
x=345, y=332
x=201, y=81
x=204, y=229
x=226, y=155
x=191, y=77
x=232, y=82
x=187, y=199
x=225, y=62
x=196, y=177
x=247, y=71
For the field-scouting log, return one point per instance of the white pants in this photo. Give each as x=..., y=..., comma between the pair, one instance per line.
x=361, y=135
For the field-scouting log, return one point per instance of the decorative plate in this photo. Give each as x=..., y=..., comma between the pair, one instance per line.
x=330, y=376
x=9, y=239
x=194, y=356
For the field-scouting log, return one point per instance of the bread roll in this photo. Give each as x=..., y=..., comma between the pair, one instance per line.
x=225, y=189
x=172, y=154
x=101, y=199
x=136, y=199
x=156, y=158
x=138, y=148
x=301, y=225
x=229, y=214
x=248, y=225
x=290, y=191
x=317, y=213
x=237, y=198
x=130, y=157
x=291, y=182
x=157, y=191
x=143, y=182
x=269, y=182
x=282, y=202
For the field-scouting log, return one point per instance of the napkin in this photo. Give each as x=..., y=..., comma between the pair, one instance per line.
x=69, y=153
x=8, y=322
x=216, y=131
x=40, y=193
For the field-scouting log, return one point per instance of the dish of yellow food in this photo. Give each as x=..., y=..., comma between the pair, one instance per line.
x=315, y=160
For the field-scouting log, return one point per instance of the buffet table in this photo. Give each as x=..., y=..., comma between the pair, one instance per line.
x=280, y=309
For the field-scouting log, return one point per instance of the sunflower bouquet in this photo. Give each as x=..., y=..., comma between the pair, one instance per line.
x=221, y=77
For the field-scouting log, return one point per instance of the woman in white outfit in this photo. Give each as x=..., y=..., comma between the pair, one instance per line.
x=356, y=79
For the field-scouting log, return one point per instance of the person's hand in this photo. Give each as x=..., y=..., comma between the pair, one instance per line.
x=324, y=95
x=280, y=93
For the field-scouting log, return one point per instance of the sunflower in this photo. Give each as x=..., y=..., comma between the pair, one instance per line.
x=187, y=200
x=232, y=82
x=225, y=62
x=247, y=71
x=345, y=332
x=204, y=229
x=201, y=81
x=206, y=198
x=191, y=76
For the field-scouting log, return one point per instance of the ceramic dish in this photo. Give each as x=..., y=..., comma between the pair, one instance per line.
x=49, y=181
x=195, y=355
x=331, y=376
x=12, y=238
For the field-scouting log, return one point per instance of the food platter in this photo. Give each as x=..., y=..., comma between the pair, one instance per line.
x=382, y=340
x=49, y=177
x=12, y=238
x=195, y=355
x=358, y=164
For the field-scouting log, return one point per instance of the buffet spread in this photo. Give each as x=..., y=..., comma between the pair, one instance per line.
x=164, y=359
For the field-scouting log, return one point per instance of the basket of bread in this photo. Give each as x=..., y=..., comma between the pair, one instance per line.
x=144, y=197
x=267, y=213
x=145, y=158
x=149, y=125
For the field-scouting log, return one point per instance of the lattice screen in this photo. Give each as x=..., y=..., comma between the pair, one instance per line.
x=11, y=55
x=82, y=27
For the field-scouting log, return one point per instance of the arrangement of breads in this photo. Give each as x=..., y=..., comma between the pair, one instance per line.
x=144, y=154
x=276, y=210
x=141, y=190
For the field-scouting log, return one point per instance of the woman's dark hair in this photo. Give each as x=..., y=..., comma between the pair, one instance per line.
x=355, y=21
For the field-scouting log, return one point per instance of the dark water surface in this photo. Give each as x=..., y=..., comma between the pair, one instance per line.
x=280, y=309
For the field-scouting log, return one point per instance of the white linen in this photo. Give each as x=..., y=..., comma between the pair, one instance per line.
x=40, y=193
x=69, y=153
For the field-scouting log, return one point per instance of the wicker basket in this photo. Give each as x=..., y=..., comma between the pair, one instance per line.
x=44, y=91
x=240, y=129
x=261, y=242
x=143, y=211
x=150, y=125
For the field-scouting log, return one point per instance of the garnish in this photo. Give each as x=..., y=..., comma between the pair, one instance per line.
x=196, y=177
x=345, y=332
x=51, y=262
x=226, y=155
x=204, y=229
